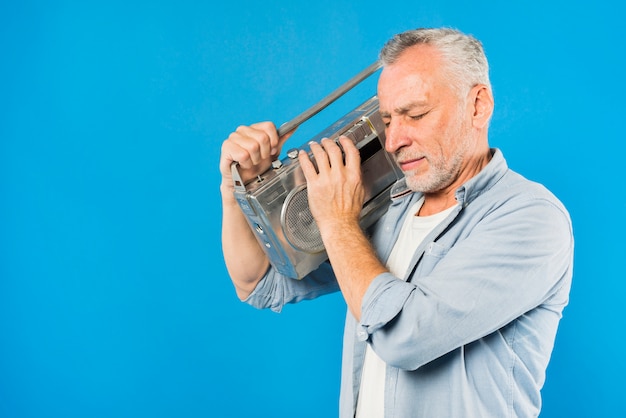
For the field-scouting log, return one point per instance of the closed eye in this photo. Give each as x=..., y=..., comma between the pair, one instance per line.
x=418, y=117
x=387, y=119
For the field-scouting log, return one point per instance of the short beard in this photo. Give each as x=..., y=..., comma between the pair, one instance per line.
x=441, y=174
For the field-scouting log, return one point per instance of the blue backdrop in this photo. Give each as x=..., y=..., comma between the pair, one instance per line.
x=114, y=301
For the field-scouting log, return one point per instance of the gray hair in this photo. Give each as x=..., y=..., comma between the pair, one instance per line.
x=463, y=55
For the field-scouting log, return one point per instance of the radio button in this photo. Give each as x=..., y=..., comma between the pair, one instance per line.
x=292, y=153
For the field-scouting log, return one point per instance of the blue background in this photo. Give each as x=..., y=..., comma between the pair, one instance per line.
x=114, y=301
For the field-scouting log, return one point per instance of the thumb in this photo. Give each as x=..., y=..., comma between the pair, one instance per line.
x=281, y=141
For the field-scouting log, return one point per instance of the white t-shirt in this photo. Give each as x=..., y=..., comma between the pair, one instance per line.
x=414, y=230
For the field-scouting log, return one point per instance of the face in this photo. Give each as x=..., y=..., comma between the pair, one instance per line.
x=428, y=128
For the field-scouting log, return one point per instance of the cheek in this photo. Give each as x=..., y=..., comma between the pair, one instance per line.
x=437, y=137
x=449, y=128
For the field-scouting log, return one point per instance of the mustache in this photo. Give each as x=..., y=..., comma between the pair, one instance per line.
x=404, y=155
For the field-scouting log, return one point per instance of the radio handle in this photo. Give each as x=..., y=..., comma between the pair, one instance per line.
x=322, y=104
x=287, y=127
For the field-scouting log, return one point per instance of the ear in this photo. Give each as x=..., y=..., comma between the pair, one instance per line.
x=483, y=105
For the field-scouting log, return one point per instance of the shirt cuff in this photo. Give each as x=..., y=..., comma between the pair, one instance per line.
x=382, y=302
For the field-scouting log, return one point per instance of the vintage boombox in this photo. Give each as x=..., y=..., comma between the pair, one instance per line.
x=276, y=203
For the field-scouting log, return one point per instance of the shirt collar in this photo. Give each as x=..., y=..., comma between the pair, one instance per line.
x=471, y=189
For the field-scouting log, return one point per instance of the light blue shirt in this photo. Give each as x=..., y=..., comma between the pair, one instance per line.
x=470, y=330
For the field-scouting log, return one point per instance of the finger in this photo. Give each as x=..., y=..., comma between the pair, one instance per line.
x=335, y=155
x=352, y=155
x=306, y=165
x=231, y=151
x=256, y=139
x=276, y=142
x=281, y=141
x=321, y=158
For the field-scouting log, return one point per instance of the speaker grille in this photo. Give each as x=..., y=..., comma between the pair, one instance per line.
x=298, y=224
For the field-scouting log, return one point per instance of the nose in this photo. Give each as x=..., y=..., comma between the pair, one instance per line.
x=396, y=136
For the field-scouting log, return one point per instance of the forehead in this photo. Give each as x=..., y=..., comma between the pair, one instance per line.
x=415, y=77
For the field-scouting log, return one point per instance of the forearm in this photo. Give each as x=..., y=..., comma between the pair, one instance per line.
x=336, y=198
x=245, y=260
x=353, y=260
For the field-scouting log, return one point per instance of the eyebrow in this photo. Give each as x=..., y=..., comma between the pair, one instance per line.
x=406, y=108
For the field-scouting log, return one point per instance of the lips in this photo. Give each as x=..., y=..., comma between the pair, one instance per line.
x=411, y=164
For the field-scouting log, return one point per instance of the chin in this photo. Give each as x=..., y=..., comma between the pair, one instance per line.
x=424, y=183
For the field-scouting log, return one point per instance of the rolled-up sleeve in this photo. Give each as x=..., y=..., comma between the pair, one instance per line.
x=275, y=290
x=382, y=302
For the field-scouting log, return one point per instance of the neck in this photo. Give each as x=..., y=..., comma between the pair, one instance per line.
x=433, y=205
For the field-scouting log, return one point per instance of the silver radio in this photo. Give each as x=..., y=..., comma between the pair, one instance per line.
x=276, y=203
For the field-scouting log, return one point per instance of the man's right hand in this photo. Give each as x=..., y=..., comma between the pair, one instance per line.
x=254, y=147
